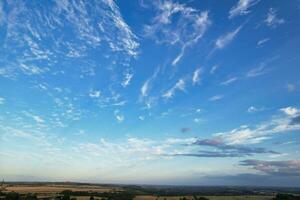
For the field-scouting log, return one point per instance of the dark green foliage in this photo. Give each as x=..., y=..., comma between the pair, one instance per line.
x=286, y=197
x=200, y=198
x=30, y=196
x=120, y=196
x=203, y=198
x=67, y=192
x=12, y=196
x=66, y=197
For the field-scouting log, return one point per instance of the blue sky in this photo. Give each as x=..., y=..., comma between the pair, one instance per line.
x=152, y=92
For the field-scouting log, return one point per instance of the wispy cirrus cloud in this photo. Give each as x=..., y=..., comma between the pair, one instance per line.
x=127, y=78
x=272, y=19
x=196, y=76
x=185, y=29
x=258, y=71
x=229, y=81
x=242, y=7
x=119, y=117
x=179, y=85
x=33, y=28
x=253, y=109
x=262, y=41
x=213, y=69
x=148, y=83
x=226, y=39
x=36, y=118
x=95, y=93
x=216, y=98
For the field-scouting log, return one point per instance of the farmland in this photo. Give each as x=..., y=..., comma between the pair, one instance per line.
x=80, y=191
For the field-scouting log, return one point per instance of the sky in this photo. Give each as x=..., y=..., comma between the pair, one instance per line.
x=195, y=92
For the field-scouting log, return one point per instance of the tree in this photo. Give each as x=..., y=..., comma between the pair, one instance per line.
x=12, y=196
x=30, y=196
x=66, y=197
x=203, y=198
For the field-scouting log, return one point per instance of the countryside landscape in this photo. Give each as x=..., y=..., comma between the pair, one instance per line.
x=84, y=191
x=149, y=100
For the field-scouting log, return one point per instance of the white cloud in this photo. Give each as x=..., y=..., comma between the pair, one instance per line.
x=180, y=85
x=196, y=76
x=31, y=69
x=256, y=71
x=147, y=84
x=89, y=26
x=119, y=117
x=134, y=149
x=121, y=103
x=253, y=109
x=242, y=7
x=213, y=69
x=120, y=37
x=127, y=79
x=179, y=56
x=42, y=86
x=176, y=23
x=141, y=117
x=262, y=41
x=291, y=111
x=291, y=87
x=2, y=100
x=226, y=39
x=145, y=88
x=216, y=97
x=272, y=19
x=94, y=93
x=231, y=80
x=13, y=132
x=181, y=140
x=258, y=133
x=198, y=120
x=36, y=118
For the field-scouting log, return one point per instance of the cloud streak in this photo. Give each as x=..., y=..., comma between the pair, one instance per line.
x=185, y=29
x=180, y=85
x=242, y=8
x=276, y=168
x=272, y=20
x=226, y=39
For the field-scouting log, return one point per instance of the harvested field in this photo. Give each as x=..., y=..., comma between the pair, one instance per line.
x=49, y=189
